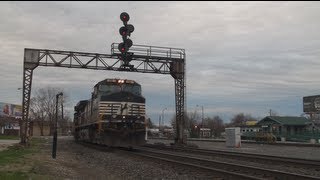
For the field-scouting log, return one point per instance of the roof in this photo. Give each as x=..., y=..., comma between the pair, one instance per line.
x=285, y=120
x=251, y=123
x=81, y=105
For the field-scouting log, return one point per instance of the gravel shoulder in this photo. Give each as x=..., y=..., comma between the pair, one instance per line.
x=75, y=161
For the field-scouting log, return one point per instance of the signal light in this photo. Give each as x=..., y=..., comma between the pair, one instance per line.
x=130, y=28
x=123, y=31
x=122, y=48
x=128, y=42
x=124, y=17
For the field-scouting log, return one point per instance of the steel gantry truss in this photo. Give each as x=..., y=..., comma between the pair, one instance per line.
x=143, y=59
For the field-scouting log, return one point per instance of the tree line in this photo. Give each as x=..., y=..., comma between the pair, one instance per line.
x=42, y=110
x=193, y=122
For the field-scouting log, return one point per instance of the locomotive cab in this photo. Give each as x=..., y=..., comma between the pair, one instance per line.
x=115, y=115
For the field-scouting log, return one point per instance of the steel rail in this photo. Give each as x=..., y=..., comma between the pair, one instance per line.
x=241, y=170
x=226, y=170
x=246, y=156
x=215, y=171
x=223, y=173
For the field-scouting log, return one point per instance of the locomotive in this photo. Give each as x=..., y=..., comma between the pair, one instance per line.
x=114, y=116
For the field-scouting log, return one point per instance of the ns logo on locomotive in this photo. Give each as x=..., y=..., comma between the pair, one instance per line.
x=114, y=116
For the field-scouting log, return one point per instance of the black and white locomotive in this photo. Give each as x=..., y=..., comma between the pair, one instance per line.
x=114, y=116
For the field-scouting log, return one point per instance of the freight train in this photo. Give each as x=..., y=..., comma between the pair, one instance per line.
x=114, y=116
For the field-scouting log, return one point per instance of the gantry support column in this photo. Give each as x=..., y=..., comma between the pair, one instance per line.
x=177, y=71
x=180, y=110
x=27, y=82
x=30, y=62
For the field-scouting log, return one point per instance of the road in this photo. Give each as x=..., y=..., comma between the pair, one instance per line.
x=6, y=143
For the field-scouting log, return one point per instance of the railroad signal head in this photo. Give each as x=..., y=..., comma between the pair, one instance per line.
x=124, y=47
x=123, y=31
x=130, y=28
x=124, y=17
x=128, y=42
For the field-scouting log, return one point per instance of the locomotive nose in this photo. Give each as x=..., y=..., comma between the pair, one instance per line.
x=124, y=97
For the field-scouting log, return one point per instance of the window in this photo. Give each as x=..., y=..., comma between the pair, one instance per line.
x=108, y=89
x=135, y=89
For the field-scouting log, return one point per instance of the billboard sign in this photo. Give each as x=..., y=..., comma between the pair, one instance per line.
x=10, y=110
x=16, y=111
x=311, y=104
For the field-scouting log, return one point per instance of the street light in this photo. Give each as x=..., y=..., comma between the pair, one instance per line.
x=202, y=115
x=163, y=114
x=20, y=89
x=54, y=146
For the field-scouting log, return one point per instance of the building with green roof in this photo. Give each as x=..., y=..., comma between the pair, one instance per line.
x=284, y=125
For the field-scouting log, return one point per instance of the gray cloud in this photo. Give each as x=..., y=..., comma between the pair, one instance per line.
x=241, y=56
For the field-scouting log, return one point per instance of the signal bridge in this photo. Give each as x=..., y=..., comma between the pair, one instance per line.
x=124, y=57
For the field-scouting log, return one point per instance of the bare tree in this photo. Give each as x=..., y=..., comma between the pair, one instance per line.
x=43, y=107
x=37, y=112
x=190, y=123
x=241, y=119
x=216, y=125
x=149, y=123
x=273, y=113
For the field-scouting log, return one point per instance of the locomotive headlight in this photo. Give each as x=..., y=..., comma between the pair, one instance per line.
x=120, y=81
x=123, y=117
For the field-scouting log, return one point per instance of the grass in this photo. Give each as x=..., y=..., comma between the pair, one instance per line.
x=13, y=175
x=21, y=176
x=10, y=137
x=14, y=156
x=17, y=151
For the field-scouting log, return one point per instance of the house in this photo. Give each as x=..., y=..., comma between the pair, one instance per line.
x=284, y=125
x=36, y=126
x=205, y=133
x=10, y=126
x=250, y=126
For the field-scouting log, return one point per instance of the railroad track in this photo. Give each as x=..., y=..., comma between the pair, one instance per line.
x=228, y=170
x=251, y=157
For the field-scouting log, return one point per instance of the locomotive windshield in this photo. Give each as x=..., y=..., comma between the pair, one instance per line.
x=108, y=89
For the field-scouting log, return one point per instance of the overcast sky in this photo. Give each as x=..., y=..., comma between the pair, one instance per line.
x=241, y=56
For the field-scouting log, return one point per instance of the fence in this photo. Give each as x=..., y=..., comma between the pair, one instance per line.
x=301, y=137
